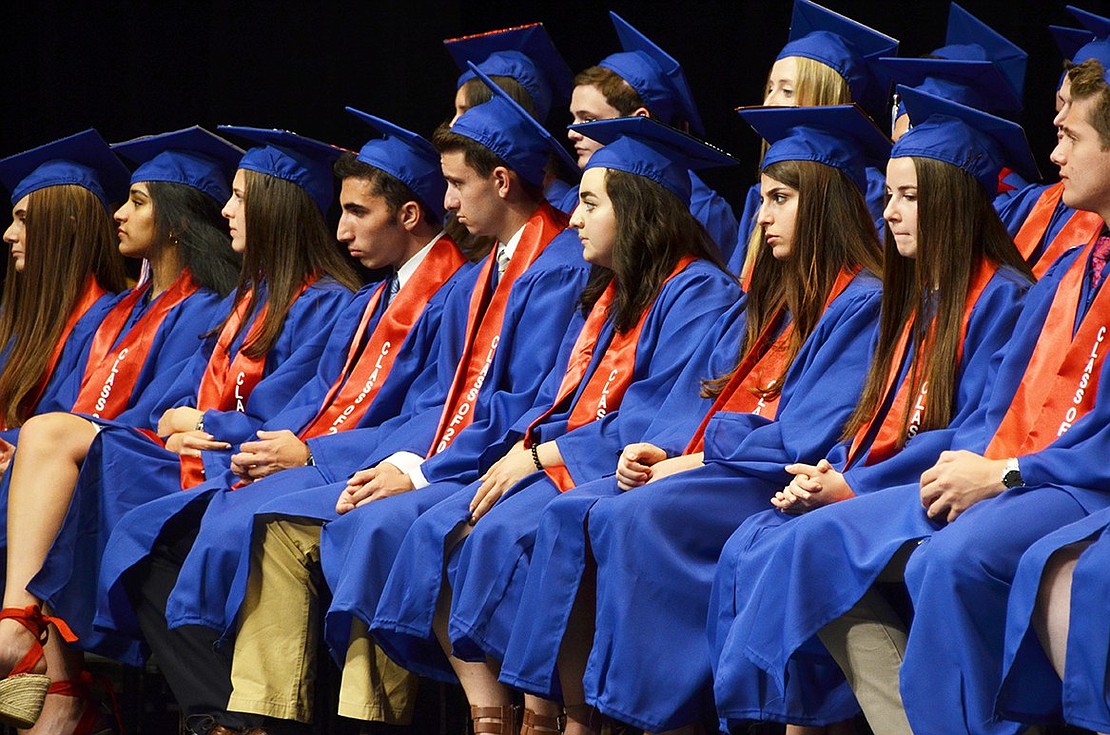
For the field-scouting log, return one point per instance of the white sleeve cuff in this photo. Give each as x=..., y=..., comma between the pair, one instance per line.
x=409, y=463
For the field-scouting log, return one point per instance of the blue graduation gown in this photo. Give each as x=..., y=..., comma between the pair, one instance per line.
x=778, y=583
x=138, y=531
x=557, y=558
x=107, y=488
x=543, y=302
x=706, y=205
x=649, y=665
x=1031, y=691
x=959, y=578
x=178, y=337
x=1017, y=208
x=680, y=321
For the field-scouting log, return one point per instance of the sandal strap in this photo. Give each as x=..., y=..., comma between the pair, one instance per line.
x=498, y=720
x=32, y=619
x=536, y=723
x=81, y=688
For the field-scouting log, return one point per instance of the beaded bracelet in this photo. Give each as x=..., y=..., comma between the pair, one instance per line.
x=536, y=458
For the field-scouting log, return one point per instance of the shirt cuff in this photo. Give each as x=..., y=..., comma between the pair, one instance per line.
x=409, y=463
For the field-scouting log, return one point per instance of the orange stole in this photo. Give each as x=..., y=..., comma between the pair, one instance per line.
x=90, y=294
x=1080, y=227
x=227, y=384
x=746, y=390
x=1061, y=380
x=483, y=327
x=367, y=367
x=112, y=372
x=890, y=432
x=609, y=381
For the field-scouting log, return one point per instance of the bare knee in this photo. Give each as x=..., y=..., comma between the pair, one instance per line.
x=57, y=435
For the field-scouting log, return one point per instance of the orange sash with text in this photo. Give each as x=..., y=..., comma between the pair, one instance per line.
x=483, y=326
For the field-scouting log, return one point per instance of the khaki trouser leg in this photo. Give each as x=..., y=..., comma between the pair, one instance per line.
x=868, y=643
x=274, y=669
x=374, y=688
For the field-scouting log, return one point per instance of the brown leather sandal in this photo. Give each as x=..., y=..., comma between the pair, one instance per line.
x=494, y=720
x=541, y=724
x=23, y=692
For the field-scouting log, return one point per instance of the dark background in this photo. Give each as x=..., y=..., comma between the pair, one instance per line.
x=135, y=68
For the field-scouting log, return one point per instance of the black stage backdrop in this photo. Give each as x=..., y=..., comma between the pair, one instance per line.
x=136, y=68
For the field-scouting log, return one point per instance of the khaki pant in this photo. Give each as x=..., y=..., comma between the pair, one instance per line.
x=868, y=643
x=274, y=669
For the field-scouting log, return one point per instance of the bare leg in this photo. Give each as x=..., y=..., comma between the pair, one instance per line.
x=574, y=652
x=51, y=450
x=1050, y=618
x=478, y=679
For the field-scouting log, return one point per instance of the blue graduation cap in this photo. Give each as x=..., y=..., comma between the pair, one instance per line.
x=192, y=156
x=83, y=159
x=294, y=158
x=841, y=136
x=525, y=53
x=976, y=67
x=1070, y=40
x=406, y=156
x=655, y=75
x=646, y=147
x=508, y=130
x=1096, y=24
x=844, y=45
x=969, y=139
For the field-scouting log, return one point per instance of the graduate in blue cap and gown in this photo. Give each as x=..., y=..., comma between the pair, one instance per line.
x=171, y=219
x=520, y=302
x=764, y=415
x=656, y=296
x=292, y=285
x=1016, y=472
x=1042, y=225
x=381, y=347
x=898, y=429
x=828, y=60
x=976, y=67
x=643, y=79
x=1056, y=649
x=524, y=62
x=63, y=272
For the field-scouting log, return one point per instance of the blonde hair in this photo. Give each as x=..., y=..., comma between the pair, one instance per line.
x=816, y=84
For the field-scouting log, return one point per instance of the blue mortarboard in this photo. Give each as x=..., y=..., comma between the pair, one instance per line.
x=972, y=140
x=844, y=45
x=646, y=147
x=407, y=157
x=976, y=67
x=1096, y=24
x=1070, y=40
x=655, y=75
x=193, y=156
x=83, y=159
x=508, y=130
x=1091, y=42
x=525, y=53
x=841, y=136
x=295, y=158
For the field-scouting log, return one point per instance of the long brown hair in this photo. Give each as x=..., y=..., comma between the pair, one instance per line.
x=69, y=237
x=957, y=229
x=817, y=84
x=833, y=231
x=654, y=230
x=287, y=243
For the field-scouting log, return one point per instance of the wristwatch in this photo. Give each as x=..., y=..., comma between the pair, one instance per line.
x=1011, y=474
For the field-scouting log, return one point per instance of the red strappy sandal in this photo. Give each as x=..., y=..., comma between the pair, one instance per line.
x=23, y=691
x=93, y=721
